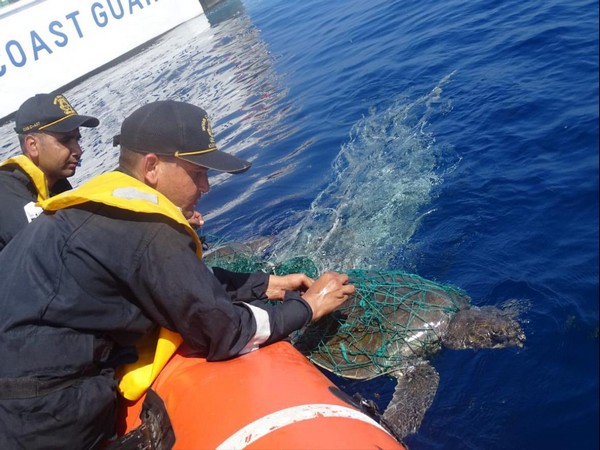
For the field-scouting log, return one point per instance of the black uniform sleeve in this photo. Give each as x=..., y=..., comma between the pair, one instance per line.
x=242, y=286
x=291, y=314
x=181, y=293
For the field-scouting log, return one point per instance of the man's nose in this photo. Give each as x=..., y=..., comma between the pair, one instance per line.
x=203, y=184
x=76, y=149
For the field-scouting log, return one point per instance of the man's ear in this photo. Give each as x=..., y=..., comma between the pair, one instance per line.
x=31, y=148
x=150, y=168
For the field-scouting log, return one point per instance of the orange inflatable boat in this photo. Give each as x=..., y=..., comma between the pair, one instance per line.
x=273, y=398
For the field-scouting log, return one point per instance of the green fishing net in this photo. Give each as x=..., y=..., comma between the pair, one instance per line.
x=241, y=257
x=393, y=315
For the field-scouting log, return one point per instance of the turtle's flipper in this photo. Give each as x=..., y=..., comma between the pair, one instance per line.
x=412, y=397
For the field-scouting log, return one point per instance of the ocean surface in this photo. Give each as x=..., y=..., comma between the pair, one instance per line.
x=457, y=140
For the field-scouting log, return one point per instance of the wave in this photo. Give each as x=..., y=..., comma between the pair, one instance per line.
x=384, y=179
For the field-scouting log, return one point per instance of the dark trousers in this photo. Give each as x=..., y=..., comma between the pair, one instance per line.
x=79, y=416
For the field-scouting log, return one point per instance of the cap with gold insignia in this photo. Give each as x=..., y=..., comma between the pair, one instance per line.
x=177, y=129
x=50, y=112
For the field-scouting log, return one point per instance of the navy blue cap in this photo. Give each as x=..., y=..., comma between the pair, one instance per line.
x=178, y=129
x=50, y=112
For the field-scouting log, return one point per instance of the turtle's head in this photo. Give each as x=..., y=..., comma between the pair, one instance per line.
x=486, y=327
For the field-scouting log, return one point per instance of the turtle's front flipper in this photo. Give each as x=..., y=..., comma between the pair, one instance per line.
x=414, y=394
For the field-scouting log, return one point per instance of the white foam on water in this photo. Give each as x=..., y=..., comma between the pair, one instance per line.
x=384, y=179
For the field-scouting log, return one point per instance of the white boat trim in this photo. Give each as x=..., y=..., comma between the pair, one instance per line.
x=289, y=416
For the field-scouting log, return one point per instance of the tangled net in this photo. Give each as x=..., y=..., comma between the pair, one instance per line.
x=393, y=315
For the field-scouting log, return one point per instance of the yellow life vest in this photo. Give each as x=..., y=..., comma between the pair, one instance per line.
x=122, y=191
x=34, y=172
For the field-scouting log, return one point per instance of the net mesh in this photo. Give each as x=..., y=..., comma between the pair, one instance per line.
x=393, y=315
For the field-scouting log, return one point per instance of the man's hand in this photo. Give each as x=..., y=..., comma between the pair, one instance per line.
x=328, y=292
x=194, y=218
x=294, y=282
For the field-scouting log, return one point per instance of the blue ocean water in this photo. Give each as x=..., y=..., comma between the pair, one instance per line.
x=456, y=140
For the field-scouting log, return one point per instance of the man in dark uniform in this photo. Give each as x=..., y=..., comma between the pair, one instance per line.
x=110, y=264
x=48, y=130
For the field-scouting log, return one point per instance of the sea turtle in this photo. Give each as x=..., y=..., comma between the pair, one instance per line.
x=390, y=325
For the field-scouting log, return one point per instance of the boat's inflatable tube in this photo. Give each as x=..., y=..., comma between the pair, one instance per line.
x=273, y=398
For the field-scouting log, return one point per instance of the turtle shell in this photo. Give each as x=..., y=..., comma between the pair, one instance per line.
x=393, y=316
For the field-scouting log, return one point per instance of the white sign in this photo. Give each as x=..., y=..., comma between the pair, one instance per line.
x=46, y=44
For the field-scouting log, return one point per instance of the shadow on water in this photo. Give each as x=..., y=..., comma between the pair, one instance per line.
x=223, y=11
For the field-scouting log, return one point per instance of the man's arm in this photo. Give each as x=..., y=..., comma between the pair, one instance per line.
x=181, y=293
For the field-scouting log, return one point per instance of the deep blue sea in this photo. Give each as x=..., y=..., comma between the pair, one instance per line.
x=454, y=139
